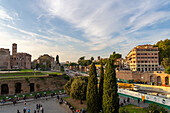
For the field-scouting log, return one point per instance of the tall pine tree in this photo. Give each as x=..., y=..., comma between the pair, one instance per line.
x=92, y=92
x=101, y=86
x=110, y=95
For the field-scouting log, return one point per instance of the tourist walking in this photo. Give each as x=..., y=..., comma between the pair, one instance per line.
x=25, y=103
x=37, y=106
x=138, y=101
x=34, y=111
x=28, y=110
x=24, y=110
x=42, y=110
x=18, y=111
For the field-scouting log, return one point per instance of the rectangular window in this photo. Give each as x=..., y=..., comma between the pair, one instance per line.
x=141, y=49
x=141, y=57
x=145, y=61
x=141, y=53
x=138, y=53
x=145, y=53
x=148, y=53
x=155, y=53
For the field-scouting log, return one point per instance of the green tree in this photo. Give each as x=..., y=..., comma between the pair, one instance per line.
x=92, y=92
x=115, y=56
x=164, y=48
x=166, y=62
x=167, y=70
x=154, y=108
x=101, y=87
x=67, y=87
x=110, y=95
x=79, y=88
x=92, y=58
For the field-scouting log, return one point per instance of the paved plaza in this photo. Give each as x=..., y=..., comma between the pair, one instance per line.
x=50, y=106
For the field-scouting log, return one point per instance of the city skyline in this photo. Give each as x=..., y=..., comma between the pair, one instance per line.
x=73, y=29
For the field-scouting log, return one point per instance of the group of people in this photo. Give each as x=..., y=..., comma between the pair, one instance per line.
x=13, y=100
x=40, y=95
x=39, y=109
x=126, y=101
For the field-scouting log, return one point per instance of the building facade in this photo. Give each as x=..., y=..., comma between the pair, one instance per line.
x=4, y=58
x=14, y=61
x=20, y=60
x=43, y=62
x=157, y=77
x=143, y=58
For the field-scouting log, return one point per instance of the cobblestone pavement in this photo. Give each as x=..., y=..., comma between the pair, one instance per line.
x=50, y=106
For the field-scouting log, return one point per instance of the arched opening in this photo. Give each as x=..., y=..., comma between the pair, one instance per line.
x=151, y=79
x=4, y=89
x=166, y=80
x=18, y=88
x=31, y=87
x=159, y=81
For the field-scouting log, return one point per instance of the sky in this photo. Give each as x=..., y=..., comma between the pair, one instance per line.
x=75, y=28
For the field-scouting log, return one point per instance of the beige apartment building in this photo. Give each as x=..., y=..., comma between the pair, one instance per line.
x=143, y=58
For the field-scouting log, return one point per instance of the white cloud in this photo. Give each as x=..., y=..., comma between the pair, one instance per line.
x=4, y=15
x=100, y=20
x=37, y=47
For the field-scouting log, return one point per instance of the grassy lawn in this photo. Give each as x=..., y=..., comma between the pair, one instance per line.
x=28, y=70
x=20, y=74
x=134, y=109
x=58, y=73
x=26, y=76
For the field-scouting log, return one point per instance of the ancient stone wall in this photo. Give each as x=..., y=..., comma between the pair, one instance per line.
x=160, y=78
x=32, y=84
x=123, y=74
x=4, y=58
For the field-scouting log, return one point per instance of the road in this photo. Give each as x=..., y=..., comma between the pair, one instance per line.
x=50, y=106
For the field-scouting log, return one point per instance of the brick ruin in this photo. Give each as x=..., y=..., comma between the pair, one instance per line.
x=25, y=85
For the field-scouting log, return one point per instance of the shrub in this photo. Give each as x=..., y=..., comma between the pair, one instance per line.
x=66, y=77
x=154, y=108
x=67, y=87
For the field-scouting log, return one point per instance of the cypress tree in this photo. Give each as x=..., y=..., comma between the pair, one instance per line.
x=101, y=86
x=92, y=92
x=110, y=95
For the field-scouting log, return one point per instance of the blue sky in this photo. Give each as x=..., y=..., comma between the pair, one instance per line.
x=75, y=28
